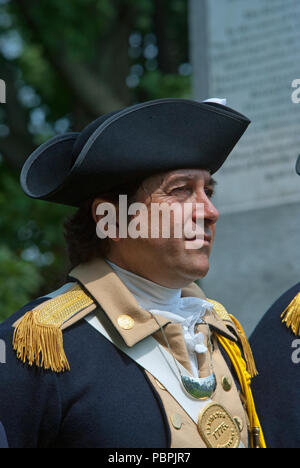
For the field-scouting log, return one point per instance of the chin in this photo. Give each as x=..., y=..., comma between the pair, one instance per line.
x=201, y=272
x=197, y=269
x=199, y=265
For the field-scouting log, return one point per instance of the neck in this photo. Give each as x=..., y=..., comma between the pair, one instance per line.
x=146, y=292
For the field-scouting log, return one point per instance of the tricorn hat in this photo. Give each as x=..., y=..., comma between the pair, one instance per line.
x=131, y=144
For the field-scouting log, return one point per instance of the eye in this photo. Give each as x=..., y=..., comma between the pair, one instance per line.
x=181, y=189
x=209, y=192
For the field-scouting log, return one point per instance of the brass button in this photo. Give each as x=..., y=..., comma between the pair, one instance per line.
x=226, y=383
x=239, y=422
x=126, y=322
x=176, y=421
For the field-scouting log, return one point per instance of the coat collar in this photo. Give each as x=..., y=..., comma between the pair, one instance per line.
x=110, y=293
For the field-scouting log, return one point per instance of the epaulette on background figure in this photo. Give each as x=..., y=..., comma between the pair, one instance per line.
x=291, y=315
x=38, y=337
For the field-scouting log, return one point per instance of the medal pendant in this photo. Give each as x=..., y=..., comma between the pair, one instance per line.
x=200, y=388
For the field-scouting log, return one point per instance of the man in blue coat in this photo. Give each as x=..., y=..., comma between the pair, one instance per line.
x=276, y=346
x=129, y=353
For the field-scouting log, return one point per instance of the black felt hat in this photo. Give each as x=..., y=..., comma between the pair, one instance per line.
x=131, y=144
x=298, y=165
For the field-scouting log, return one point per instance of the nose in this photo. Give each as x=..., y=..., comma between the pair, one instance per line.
x=210, y=212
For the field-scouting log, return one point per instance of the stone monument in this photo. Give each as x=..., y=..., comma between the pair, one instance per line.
x=249, y=53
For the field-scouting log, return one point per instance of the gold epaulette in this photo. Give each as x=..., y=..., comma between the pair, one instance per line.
x=224, y=315
x=220, y=310
x=38, y=335
x=291, y=315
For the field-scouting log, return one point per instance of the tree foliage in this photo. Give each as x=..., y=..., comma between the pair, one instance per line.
x=64, y=64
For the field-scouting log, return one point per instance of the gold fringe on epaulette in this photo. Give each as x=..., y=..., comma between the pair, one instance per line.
x=248, y=355
x=291, y=315
x=38, y=335
x=40, y=344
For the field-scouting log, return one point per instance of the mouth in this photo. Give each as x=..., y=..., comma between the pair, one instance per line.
x=196, y=243
x=206, y=239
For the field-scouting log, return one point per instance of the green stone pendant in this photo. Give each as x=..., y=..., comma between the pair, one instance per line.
x=200, y=388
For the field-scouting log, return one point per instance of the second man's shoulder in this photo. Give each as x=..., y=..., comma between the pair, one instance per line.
x=285, y=299
x=283, y=316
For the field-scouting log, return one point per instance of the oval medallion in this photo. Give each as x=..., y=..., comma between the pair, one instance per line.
x=217, y=428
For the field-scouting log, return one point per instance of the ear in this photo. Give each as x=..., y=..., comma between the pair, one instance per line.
x=94, y=207
x=97, y=217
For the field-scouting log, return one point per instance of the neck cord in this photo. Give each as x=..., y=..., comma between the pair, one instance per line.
x=170, y=350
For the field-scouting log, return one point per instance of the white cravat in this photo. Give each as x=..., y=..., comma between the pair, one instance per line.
x=168, y=303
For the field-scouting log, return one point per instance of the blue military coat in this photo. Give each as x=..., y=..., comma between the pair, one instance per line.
x=105, y=400
x=276, y=389
x=96, y=405
x=3, y=438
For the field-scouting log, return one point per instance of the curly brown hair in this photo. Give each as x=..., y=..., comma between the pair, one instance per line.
x=83, y=244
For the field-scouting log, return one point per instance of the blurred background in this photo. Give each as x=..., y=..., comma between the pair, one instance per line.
x=66, y=63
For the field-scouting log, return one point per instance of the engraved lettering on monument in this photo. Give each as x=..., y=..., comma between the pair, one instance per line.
x=254, y=58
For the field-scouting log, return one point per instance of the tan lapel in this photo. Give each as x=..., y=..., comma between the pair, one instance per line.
x=110, y=293
x=116, y=300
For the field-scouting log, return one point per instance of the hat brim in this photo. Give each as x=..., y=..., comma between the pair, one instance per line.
x=48, y=165
x=132, y=144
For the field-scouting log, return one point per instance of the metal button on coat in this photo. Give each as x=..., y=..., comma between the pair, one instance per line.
x=126, y=322
x=226, y=383
x=176, y=420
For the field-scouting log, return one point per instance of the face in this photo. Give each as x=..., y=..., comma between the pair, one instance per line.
x=169, y=261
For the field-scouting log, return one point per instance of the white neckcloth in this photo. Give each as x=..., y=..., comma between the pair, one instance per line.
x=168, y=303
